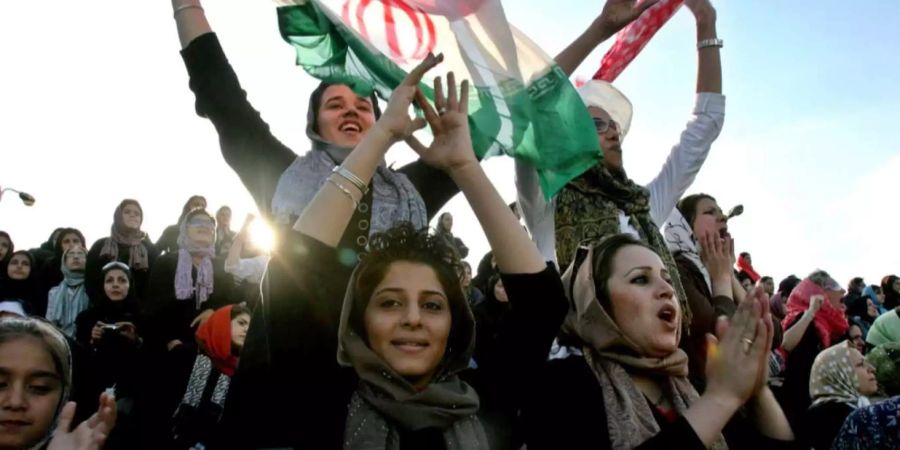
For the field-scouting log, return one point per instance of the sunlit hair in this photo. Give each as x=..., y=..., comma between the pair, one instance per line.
x=404, y=242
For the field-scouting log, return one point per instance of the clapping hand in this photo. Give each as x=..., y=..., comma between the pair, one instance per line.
x=90, y=434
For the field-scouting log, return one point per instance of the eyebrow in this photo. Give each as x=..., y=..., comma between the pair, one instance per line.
x=395, y=289
x=648, y=268
x=36, y=374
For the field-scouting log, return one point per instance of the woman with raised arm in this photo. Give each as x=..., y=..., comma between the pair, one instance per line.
x=628, y=386
x=282, y=182
x=401, y=327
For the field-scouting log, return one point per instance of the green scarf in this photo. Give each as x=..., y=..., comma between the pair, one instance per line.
x=587, y=210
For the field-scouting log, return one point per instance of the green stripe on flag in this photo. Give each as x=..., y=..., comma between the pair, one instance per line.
x=550, y=127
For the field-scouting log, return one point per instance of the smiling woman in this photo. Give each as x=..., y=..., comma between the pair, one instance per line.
x=404, y=333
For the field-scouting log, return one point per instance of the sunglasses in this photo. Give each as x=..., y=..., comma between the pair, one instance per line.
x=602, y=125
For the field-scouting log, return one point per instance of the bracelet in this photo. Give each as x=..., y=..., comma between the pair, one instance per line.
x=352, y=178
x=344, y=190
x=187, y=6
x=706, y=43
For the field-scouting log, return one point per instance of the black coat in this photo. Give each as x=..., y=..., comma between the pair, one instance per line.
x=565, y=411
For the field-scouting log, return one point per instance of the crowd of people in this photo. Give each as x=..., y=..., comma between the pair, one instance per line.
x=619, y=316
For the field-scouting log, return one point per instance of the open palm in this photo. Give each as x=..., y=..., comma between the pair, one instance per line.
x=451, y=147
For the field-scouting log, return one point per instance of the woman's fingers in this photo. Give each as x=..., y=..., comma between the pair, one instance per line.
x=415, y=75
x=440, y=102
x=65, y=418
x=430, y=114
x=452, y=99
x=464, y=97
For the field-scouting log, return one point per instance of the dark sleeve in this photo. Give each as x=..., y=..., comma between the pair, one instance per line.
x=538, y=307
x=152, y=252
x=461, y=247
x=93, y=269
x=435, y=186
x=83, y=326
x=247, y=144
x=565, y=411
x=167, y=243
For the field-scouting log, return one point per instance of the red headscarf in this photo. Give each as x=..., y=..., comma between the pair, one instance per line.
x=830, y=322
x=214, y=337
x=744, y=266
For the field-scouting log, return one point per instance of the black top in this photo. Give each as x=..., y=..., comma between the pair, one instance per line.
x=93, y=271
x=565, y=411
x=794, y=395
x=170, y=318
x=248, y=145
x=115, y=359
x=168, y=241
x=822, y=423
x=297, y=394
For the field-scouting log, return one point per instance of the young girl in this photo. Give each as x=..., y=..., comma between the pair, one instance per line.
x=35, y=381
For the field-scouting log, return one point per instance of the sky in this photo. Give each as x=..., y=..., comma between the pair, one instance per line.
x=95, y=107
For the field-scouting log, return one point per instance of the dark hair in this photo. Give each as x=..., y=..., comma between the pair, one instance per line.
x=129, y=201
x=744, y=254
x=30, y=259
x=875, y=288
x=239, y=309
x=688, y=206
x=744, y=276
x=116, y=265
x=57, y=246
x=787, y=285
x=604, y=253
x=12, y=247
x=766, y=278
x=187, y=206
x=315, y=103
x=404, y=242
x=440, y=223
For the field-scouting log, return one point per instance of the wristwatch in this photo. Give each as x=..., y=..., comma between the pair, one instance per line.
x=716, y=42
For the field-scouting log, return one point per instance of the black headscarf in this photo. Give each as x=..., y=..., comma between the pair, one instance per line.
x=23, y=291
x=891, y=297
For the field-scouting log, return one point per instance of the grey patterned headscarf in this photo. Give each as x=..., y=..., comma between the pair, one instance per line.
x=395, y=199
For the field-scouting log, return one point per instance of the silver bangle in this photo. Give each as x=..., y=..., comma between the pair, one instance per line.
x=352, y=178
x=186, y=6
x=706, y=43
x=344, y=190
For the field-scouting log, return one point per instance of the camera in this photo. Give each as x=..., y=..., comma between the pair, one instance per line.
x=110, y=327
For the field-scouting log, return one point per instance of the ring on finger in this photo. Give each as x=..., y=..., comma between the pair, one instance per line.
x=747, y=344
x=441, y=110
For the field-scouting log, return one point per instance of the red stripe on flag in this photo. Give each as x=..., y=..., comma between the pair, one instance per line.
x=633, y=38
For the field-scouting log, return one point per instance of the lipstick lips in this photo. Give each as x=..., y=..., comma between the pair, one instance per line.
x=668, y=314
x=410, y=345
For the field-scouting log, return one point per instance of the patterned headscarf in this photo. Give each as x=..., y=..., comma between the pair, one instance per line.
x=185, y=288
x=64, y=307
x=134, y=239
x=611, y=355
x=680, y=240
x=833, y=380
x=587, y=211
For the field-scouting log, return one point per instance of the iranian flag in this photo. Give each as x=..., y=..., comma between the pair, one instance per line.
x=522, y=104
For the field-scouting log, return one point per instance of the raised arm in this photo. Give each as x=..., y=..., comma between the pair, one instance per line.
x=326, y=217
x=191, y=20
x=247, y=144
x=615, y=15
x=688, y=156
x=709, y=67
x=794, y=334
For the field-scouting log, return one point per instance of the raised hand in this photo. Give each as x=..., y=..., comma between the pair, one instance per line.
x=91, y=434
x=716, y=254
x=702, y=9
x=742, y=349
x=617, y=14
x=815, y=304
x=451, y=148
x=396, y=121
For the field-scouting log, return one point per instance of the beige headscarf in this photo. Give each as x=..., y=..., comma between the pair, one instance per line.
x=833, y=380
x=611, y=355
x=385, y=399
